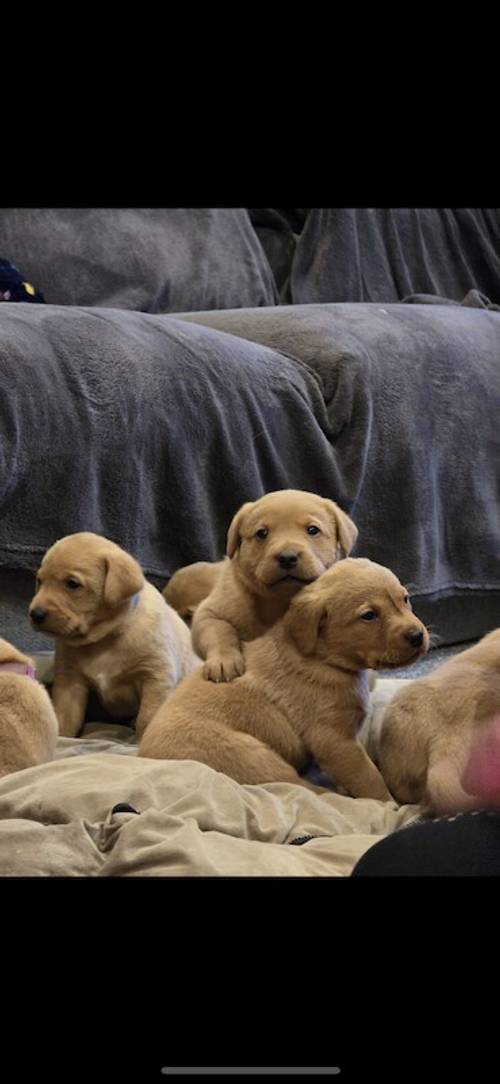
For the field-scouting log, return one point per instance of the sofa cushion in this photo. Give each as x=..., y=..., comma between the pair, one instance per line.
x=151, y=260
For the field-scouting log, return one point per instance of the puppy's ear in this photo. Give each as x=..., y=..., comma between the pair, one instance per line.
x=306, y=616
x=9, y=653
x=233, y=534
x=347, y=532
x=124, y=577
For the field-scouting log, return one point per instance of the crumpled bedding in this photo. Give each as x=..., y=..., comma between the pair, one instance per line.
x=57, y=819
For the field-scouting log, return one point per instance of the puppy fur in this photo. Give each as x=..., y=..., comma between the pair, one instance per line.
x=114, y=632
x=428, y=728
x=28, y=724
x=304, y=692
x=190, y=585
x=276, y=545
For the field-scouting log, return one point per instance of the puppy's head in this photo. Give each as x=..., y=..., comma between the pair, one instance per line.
x=357, y=616
x=288, y=538
x=83, y=582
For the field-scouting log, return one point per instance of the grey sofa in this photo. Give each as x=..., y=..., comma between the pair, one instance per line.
x=186, y=361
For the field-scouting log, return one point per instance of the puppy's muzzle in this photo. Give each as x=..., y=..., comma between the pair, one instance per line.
x=38, y=615
x=287, y=559
x=415, y=637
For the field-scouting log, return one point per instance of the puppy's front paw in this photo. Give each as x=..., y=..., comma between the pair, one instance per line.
x=224, y=667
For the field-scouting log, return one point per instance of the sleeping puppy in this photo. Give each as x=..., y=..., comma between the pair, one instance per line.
x=190, y=585
x=276, y=545
x=428, y=728
x=114, y=632
x=28, y=725
x=304, y=692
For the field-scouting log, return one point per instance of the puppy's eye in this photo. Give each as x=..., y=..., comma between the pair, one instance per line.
x=369, y=615
x=313, y=530
x=406, y=600
x=72, y=583
x=262, y=532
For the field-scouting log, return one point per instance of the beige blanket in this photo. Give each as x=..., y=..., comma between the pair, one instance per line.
x=57, y=820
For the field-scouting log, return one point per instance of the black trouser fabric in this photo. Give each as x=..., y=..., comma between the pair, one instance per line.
x=467, y=845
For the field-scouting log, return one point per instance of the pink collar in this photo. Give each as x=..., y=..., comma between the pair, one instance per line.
x=18, y=668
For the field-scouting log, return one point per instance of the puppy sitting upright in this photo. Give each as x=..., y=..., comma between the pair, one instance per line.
x=305, y=688
x=277, y=545
x=114, y=632
x=28, y=725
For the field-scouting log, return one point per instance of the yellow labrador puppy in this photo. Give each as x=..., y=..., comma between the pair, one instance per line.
x=114, y=632
x=305, y=689
x=429, y=727
x=190, y=585
x=28, y=724
x=276, y=545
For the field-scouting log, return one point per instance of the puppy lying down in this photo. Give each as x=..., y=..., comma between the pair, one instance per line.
x=114, y=632
x=304, y=692
x=276, y=545
x=28, y=724
x=429, y=729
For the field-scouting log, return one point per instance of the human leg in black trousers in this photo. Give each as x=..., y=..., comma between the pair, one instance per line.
x=465, y=845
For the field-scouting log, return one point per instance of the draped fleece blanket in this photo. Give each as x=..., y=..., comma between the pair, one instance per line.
x=146, y=429
x=392, y=254
x=153, y=430
x=412, y=397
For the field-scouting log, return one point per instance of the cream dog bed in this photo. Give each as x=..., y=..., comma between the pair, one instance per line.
x=58, y=819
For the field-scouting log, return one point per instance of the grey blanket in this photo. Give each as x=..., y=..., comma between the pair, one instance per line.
x=146, y=429
x=159, y=259
x=413, y=399
x=154, y=429
x=390, y=254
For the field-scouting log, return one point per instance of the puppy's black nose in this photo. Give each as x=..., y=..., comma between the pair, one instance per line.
x=38, y=615
x=287, y=559
x=415, y=636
